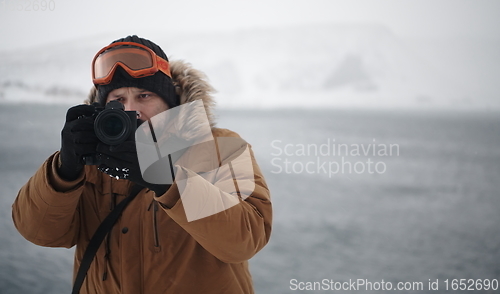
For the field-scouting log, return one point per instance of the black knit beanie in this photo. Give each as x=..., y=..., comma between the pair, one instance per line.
x=158, y=83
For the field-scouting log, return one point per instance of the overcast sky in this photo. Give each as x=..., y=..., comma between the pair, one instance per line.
x=74, y=19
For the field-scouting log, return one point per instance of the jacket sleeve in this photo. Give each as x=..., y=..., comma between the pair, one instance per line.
x=44, y=215
x=238, y=222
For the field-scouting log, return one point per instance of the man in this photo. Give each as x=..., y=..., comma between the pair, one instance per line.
x=194, y=234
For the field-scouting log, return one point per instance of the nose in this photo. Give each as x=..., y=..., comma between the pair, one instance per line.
x=132, y=106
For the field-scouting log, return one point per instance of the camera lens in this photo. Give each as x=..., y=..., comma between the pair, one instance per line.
x=112, y=126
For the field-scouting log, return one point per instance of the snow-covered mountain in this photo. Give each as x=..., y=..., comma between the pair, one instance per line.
x=308, y=66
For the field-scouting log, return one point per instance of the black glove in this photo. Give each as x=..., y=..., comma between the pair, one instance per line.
x=120, y=161
x=77, y=139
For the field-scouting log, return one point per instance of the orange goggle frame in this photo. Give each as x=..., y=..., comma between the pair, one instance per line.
x=136, y=59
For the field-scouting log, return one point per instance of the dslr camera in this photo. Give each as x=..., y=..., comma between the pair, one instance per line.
x=112, y=126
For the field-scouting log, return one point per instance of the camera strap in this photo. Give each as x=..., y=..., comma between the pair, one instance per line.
x=99, y=236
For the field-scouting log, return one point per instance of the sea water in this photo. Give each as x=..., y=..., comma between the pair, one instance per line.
x=367, y=196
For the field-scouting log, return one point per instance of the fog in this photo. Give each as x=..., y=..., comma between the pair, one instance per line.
x=419, y=74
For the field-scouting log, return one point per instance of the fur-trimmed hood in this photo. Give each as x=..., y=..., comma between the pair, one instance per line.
x=190, y=84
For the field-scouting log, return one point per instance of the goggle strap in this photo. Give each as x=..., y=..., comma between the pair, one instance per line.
x=163, y=66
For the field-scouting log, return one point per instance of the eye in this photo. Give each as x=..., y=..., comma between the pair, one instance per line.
x=145, y=95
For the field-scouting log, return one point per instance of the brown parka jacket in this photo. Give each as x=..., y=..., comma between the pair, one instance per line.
x=152, y=248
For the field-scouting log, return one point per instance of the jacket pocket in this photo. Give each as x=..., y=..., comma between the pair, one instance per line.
x=154, y=207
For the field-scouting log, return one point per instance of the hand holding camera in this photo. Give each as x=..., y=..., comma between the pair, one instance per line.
x=121, y=162
x=77, y=139
x=94, y=135
x=85, y=127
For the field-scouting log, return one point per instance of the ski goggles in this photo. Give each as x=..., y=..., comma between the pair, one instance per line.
x=136, y=59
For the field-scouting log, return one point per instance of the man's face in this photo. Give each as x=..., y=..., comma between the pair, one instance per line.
x=146, y=103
